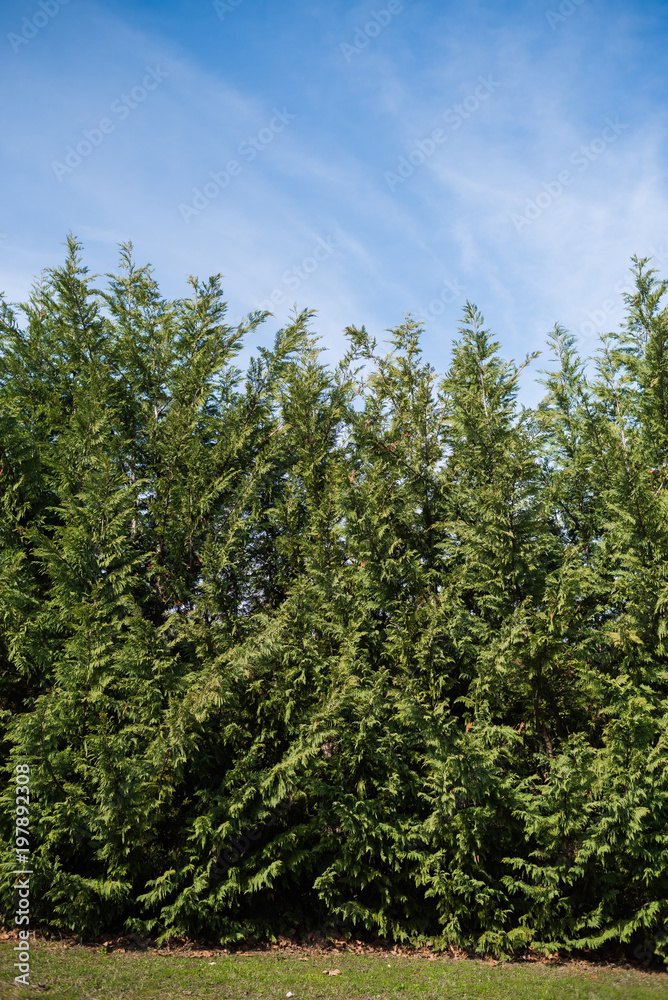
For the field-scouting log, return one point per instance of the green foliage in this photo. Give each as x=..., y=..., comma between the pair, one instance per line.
x=428, y=625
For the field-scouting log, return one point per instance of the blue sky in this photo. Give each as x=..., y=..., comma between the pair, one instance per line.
x=365, y=160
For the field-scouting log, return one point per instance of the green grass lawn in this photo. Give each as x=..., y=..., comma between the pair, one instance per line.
x=85, y=973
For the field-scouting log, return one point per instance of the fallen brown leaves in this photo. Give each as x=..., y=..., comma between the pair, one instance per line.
x=311, y=948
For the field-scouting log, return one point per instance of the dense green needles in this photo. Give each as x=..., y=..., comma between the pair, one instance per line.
x=432, y=624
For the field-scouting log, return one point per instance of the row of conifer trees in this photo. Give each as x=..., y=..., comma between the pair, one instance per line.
x=364, y=644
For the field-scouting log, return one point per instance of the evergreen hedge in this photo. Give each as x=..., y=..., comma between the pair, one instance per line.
x=425, y=627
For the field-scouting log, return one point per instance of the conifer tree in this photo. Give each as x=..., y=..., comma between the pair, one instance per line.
x=303, y=644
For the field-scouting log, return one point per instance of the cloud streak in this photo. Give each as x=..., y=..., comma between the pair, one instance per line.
x=201, y=180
